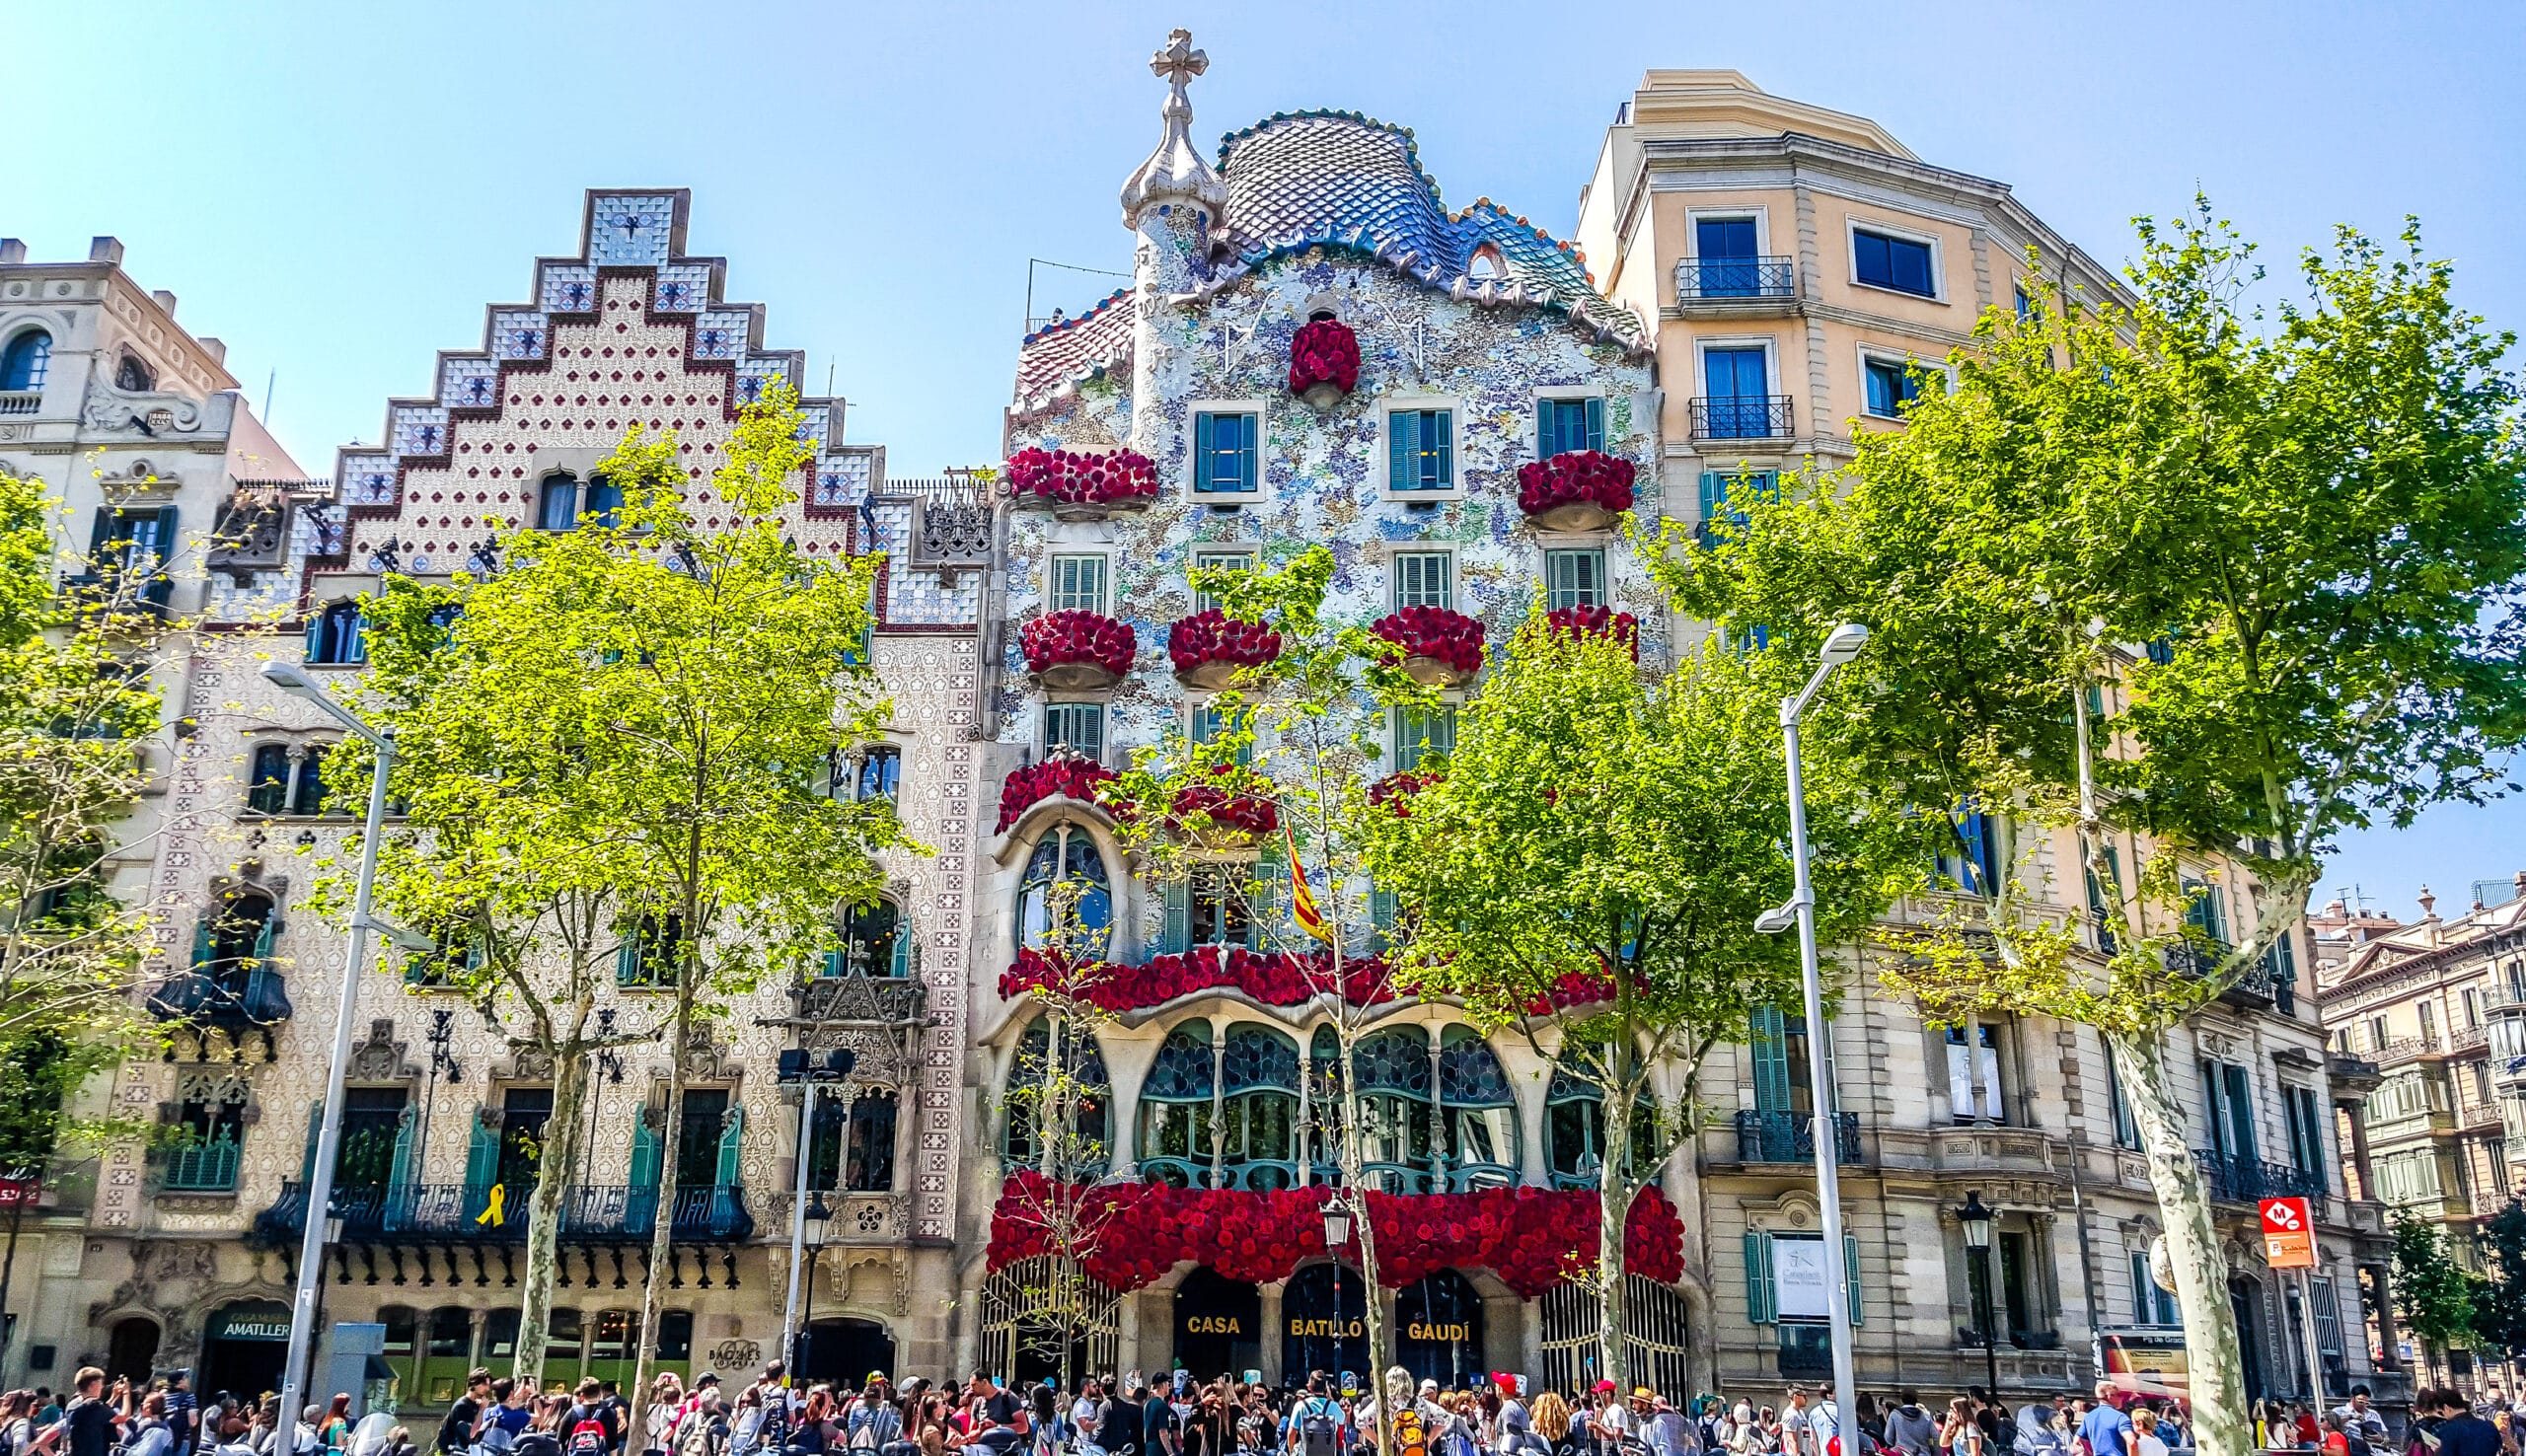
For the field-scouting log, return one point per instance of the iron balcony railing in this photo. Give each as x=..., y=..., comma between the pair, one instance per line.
x=2235, y=1180
x=1790, y=1137
x=713, y=1214
x=1743, y=417
x=1734, y=278
x=202, y=1167
x=222, y=995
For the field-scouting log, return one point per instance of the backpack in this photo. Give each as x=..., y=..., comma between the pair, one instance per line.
x=1319, y=1429
x=1409, y=1438
x=587, y=1438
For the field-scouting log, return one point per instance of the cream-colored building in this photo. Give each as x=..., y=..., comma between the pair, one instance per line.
x=1795, y=260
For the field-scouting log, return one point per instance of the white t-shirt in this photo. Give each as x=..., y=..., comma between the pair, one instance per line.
x=2150, y=1445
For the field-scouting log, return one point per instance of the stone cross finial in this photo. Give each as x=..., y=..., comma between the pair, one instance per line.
x=1177, y=62
x=1175, y=171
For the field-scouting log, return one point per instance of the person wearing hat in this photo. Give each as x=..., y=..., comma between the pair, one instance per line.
x=1611, y=1420
x=1515, y=1428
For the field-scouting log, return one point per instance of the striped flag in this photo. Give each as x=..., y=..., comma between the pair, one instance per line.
x=1301, y=899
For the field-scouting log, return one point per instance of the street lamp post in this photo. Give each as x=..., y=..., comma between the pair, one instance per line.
x=318, y=1220
x=1337, y=1234
x=1841, y=647
x=1976, y=1217
x=796, y=1065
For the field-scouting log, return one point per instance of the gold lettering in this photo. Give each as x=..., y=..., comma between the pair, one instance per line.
x=1214, y=1325
x=1419, y=1331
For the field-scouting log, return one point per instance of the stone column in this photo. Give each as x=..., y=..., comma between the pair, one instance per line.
x=2355, y=1111
x=1272, y=1328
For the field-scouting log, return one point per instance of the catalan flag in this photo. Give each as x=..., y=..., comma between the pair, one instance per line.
x=1301, y=899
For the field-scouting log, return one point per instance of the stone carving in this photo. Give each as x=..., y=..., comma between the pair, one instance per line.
x=251, y=532
x=150, y=413
x=380, y=1059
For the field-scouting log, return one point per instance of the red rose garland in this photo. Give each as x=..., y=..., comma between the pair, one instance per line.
x=1235, y=813
x=1594, y=621
x=1450, y=637
x=1398, y=789
x=1270, y=979
x=1214, y=636
x=1530, y=1237
x=1064, y=775
x=1076, y=477
x=1057, y=637
x=1324, y=352
x=1575, y=475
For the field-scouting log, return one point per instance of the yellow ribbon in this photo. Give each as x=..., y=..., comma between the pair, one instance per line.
x=494, y=1212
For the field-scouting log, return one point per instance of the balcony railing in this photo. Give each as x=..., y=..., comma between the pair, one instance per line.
x=1790, y=1137
x=202, y=1167
x=439, y=1212
x=1743, y=417
x=1723, y=278
x=881, y=999
x=222, y=995
x=115, y=593
x=2250, y=1180
x=21, y=402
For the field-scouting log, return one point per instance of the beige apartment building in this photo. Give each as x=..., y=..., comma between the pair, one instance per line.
x=1795, y=261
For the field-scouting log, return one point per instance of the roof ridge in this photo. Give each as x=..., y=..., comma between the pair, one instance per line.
x=1092, y=310
x=1411, y=144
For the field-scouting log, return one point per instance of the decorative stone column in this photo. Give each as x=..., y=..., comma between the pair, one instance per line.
x=1271, y=1328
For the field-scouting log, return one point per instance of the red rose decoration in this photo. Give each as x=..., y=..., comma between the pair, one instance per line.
x=1397, y=789
x=1063, y=775
x=1210, y=647
x=1595, y=621
x=1228, y=814
x=1440, y=648
x=1575, y=490
x=1069, y=477
x=1324, y=361
x=1077, y=649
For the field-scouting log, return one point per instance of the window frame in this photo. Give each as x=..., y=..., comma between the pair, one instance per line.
x=1605, y=587
x=545, y=486
x=1441, y=731
x=1854, y=226
x=1044, y=736
x=1215, y=555
x=40, y=370
x=1382, y=451
x=1557, y=394
x=1194, y=410
x=1054, y=599
x=1394, y=576
x=1877, y=357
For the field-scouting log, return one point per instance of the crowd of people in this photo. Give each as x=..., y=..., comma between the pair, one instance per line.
x=1171, y=1414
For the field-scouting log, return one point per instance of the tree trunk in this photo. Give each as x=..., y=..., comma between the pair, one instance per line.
x=553, y=1168
x=2222, y=1423
x=670, y=1143
x=1614, y=1188
x=1364, y=1232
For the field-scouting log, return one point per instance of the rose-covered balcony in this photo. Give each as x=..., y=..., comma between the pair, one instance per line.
x=1596, y=622
x=1210, y=648
x=1395, y=791
x=1575, y=490
x=1075, y=650
x=1440, y=648
x=1079, y=485
x=1219, y=815
x=1324, y=363
x=1064, y=775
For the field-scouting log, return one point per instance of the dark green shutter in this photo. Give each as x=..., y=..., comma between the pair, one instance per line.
x=730, y=1169
x=315, y=1133
x=165, y=545
x=1851, y=1272
x=481, y=1157
x=1177, y=933
x=1772, y=1061
x=1401, y=427
x=201, y=940
x=1763, y=1301
x=104, y=533
x=1714, y=495
x=627, y=961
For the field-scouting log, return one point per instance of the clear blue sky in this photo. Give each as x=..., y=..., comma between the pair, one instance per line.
x=337, y=189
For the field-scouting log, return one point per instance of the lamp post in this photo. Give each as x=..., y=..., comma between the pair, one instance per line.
x=1976, y=1217
x=1337, y=1234
x=815, y=1221
x=799, y=1066
x=318, y=1222
x=1840, y=647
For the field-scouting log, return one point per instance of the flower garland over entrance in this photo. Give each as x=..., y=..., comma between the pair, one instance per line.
x=1533, y=1238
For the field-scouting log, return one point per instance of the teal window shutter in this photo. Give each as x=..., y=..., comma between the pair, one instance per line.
x=1178, y=931
x=729, y=1170
x=1763, y=1301
x=1205, y=438
x=1547, y=433
x=1596, y=424
x=1770, y=1048
x=1850, y=1272
x=899, y=965
x=201, y=941
x=483, y=1158
x=1714, y=495
x=401, y=1173
x=263, y=944
x=644, y=1151
x=315, y=1131
x=1443, y=424
x=1403, y=449
x=626, y=962
x=1381, y=917
x=1274, y=915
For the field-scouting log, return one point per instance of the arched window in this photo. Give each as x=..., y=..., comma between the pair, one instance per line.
x=873, y=943
x=1081, y=1069
x=1487, y=266
x=605, y=500
x=1395, y=1105
x=1480, y=1119
x=1259, y=1110
x=559, y=508
x=1175, y=1109
x=338, y=636
x=133, y=375
x=24, y=364
x=1065, y=853
x=267, y=788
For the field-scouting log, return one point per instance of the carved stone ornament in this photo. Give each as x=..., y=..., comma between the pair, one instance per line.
x=527, y=1063
x=380, y=1059
x=152, y=414
x=251, y=532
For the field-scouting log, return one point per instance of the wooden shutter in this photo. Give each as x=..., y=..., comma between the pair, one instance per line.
x=1763, y=1301
x=1595, y=412
x=899, y=966
x=482, y=1159
x=1204, y=440
x=1850, y=1274
x=1177, y=932
x=1273, y=918
x=1772, y=1061
x=164, y=545
x=627, y=961
x=1547, y=435
x=729, y=1170
x=401, y=1170
x=644, y=1151
x=315, y=1132
x=1402, y=432
x=201, y=939
x=1443, y=423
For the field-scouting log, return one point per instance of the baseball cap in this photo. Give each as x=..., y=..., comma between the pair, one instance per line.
x=1603, y=1386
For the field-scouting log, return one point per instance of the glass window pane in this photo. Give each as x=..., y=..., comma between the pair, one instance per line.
x=1575, y=579
x=1423, y=579
x=1078, y=727
x=1219, y=561
x=1079, y=584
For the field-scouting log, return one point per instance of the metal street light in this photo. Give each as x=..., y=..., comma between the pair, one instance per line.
x=1844, y=644
x=1337, y=1234
x=319, y=1224
x=1976, y=1217
x=799, y=1065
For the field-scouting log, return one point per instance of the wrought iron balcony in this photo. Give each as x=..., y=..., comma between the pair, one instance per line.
x=222, y=995
x=439, y=1212
x=1790, y=1137
x=2250, y=1180
x=1726, y=279
x=889, y=1000
x=1744, y=417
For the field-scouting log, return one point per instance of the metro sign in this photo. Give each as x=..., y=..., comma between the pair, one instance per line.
x=2288, y=1234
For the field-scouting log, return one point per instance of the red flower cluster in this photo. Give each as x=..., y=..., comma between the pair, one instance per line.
x=1595, y=621
x=1067, y=775
x=1399, y=789
x=1076, y=636
x=1234, y=814
x=1450, y=637
x=1575, y=988
x=1213, y=636
x=1324, y=352
x=1531, y=1237
x=1075, y=478
x=1572, y=476
x=1281, y=979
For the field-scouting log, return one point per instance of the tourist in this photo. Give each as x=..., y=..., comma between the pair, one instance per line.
x=1552, y=1423
x=872, y=1423
x=2106, y=1430
x=1960, y=1434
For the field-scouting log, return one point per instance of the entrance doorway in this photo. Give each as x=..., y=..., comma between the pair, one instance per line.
x=1439, y=1329
x=843, y=1353
x=130, y=1349
x=1323, y=1312
x=242, y=1349
x=1218, y=1325
x=2245, y=1300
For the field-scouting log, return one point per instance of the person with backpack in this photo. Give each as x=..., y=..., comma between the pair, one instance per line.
x=1316, y=1428
x=456, y=1430
x=593, y=1425
x=872, y=1423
